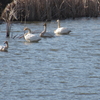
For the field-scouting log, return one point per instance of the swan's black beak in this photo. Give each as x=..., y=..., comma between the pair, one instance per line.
x=5, y=42
x=24, y=30
x=44, y=24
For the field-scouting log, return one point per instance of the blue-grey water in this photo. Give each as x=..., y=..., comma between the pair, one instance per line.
x=65, y=67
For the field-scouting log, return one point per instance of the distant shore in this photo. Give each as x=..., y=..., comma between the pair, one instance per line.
x=40, y=10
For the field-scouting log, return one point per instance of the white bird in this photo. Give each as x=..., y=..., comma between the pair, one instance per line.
x=31, y=37
x=61, y=30
x=46, y=34
x=5, y=47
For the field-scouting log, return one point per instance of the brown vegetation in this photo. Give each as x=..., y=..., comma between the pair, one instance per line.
x=54, y=9
x=3, y=4
x=8, y=15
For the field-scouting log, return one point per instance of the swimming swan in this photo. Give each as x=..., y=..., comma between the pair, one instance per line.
x=31, y=37
x=46, y=34
x=4, y=48
x=61, y=30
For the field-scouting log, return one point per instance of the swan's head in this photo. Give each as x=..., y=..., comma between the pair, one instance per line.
x=6, y=42
x=44, y=24
x=58, y=20
x=26, y=28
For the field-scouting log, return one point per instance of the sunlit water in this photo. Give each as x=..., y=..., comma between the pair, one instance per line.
x=61, y=68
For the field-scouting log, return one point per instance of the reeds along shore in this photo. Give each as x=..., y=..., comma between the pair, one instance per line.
x=40, y=10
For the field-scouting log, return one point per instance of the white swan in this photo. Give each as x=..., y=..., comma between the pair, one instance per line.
x=46, y=34
x=31, y=37
x=4, y=48
x=61, y=30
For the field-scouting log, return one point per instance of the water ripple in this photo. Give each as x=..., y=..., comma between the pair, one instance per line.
x=59, y=68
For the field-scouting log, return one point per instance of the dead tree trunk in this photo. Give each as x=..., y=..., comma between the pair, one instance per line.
x=8, y=26
x=8, y=15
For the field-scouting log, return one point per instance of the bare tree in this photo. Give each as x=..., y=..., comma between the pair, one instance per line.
x=8, y=15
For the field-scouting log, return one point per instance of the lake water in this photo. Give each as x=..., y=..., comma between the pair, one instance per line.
x=65, y=67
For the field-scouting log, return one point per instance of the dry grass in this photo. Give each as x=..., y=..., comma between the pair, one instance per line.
x=54, y=9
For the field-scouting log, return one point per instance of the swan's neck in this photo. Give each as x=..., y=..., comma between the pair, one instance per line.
x=58, y=24
x=43, y=32
x=29, y=31
x=44, y=29
x=6, y=46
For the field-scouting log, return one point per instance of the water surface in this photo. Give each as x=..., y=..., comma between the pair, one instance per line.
x=61, y=68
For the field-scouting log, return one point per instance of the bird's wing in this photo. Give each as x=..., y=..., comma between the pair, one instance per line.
x=32, y=37
x=49, y=34
x=2, y=47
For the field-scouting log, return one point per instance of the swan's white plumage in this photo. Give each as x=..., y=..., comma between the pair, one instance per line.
x=61, y=30
x=31, y=37
x=46, y=34
x=5, y=47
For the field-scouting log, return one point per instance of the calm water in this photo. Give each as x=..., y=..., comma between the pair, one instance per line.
x=61, y=68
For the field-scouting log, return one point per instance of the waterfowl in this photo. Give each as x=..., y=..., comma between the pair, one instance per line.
x=61, y=30
x=5, y=47
x=46, y=34
x=31, y=37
